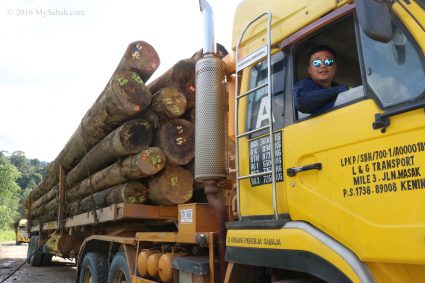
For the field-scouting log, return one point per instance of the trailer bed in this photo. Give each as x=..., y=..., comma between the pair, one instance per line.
x=115, y=212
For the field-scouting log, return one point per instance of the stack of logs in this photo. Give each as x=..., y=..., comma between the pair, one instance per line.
x=134, y=145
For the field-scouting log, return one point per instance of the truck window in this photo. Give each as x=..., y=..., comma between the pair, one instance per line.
x=341, y=37
x=394, y=70
x=257, y=115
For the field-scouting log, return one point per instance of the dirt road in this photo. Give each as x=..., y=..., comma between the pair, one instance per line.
x=11, y=256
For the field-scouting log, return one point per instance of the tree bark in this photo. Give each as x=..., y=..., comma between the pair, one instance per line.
x=45, y=198
x=51, y=205
x=148, y=162
x=173, y=186
x=131, y=192
x=181, y=76
x=131, y=137
x=176, y=138
x=168, y=103
x=124, y=96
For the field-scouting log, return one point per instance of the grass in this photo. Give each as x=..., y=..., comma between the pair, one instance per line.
x=7, y=236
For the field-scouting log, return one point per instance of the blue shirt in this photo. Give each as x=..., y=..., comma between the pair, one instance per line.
x=312, y=98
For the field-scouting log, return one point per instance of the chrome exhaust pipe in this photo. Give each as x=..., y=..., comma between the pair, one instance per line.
x=209, y=39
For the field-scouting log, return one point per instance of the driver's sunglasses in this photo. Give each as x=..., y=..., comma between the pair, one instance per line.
x=318, y=62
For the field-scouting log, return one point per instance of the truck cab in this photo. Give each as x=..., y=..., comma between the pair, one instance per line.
x=22, y=232
x=342, y=198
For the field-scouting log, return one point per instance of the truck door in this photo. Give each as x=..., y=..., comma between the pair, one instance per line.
x=357, y=170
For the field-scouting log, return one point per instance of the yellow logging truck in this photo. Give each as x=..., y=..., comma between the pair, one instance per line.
x=334, y=196
x=21, y=232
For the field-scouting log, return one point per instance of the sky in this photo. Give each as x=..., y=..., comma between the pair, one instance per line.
x=56, y=57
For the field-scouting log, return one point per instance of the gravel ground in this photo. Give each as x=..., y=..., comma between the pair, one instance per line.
x=11, y=256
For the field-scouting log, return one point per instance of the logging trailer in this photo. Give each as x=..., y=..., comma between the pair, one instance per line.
x=335, y=196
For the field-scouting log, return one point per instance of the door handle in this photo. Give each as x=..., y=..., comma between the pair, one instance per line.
x=291, y=172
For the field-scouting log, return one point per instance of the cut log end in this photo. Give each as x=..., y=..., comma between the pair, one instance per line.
x=169, y=103
x=176, y=138
x=152, y=160
x=137, y=135
x=131, y=192
x=140, y=57
x=173, y=186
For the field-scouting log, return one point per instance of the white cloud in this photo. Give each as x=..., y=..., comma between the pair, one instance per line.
x=52, y=68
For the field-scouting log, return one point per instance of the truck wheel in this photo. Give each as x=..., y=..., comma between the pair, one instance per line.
x=37, y=258
x=119, y=272
x=47, y=259
x=94, y=268
x=30, y=249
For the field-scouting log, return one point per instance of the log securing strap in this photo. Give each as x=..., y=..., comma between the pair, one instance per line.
x=93, y=202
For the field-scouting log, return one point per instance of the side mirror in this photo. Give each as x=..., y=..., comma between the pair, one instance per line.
x=375, y=20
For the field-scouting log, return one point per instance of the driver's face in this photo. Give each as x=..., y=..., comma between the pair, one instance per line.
x=324, y=74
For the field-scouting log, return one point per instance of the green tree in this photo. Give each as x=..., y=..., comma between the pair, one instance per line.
x=3, y=157
x=19, y=160
x=9, y=195
x=31, y=173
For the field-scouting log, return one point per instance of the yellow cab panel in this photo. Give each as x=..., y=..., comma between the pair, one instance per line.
x=368, y=192
x=292, y=16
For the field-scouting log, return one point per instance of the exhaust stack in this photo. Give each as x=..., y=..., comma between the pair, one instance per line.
x=210, y=107
x=209, y=40
x=210, y=127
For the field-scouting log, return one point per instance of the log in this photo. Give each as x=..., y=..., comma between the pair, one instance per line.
x=51, y=205
x=176, y=138
x=181, y=76
x=130, y=138
x=168, y=103
x=124, y=96
x=49, y=216
x=190, y=115
x=45, y=198
x=174, y=185
x=191, y=168
x=148, y=162
x=150, y=116
x=131, y=192
x=140, y=57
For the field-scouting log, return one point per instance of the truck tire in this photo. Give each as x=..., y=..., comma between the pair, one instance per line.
x=37, y=258
x=47, y=259
x=30, y=249
x=119, y=271
x=94, y=268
